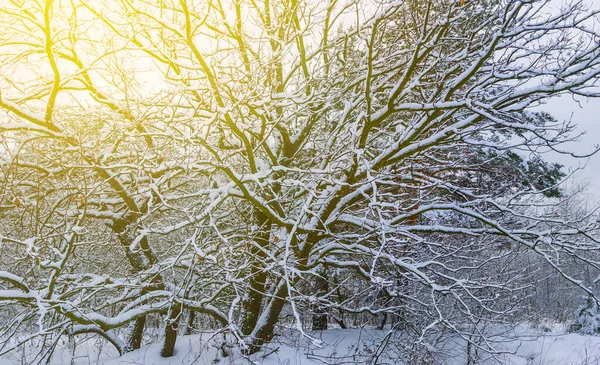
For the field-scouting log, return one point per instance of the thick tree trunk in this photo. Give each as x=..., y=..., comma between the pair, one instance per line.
x=319, y=318
x=135, y=336
x=171, y=326
x=253, y=303
x=265, y=332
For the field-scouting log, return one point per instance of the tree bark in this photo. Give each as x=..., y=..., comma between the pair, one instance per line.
x=190, y=324
x=319, y=318
x=135, y=337
x=265, y=332
x=171, y=326
x=253, y=303
x=138, y=262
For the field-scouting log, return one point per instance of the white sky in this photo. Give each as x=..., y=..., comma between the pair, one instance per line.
x=586, y=114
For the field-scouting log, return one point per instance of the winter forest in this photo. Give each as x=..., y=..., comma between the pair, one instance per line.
x=295, y=182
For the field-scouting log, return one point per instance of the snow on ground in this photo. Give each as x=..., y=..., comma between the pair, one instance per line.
x=569, y=349
x=535, y=346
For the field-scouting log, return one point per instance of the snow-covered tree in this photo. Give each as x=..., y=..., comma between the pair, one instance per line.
x=253, y=160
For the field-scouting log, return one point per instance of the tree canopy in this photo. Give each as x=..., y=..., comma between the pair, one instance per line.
x=255, y=163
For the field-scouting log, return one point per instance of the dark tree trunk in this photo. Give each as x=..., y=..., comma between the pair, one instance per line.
x=171, y=332
x=135, y=337
x=190, y=324
x=383, y=322
x=265, y=333
x=384, y=298
x=340, y=322
x=340, y=299
x=253, y=303
x=139, y=261
x=319, y=318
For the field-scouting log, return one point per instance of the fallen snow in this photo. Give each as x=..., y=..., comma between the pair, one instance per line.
x=543, y=346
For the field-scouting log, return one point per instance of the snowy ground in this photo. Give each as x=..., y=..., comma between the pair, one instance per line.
x=535, y=346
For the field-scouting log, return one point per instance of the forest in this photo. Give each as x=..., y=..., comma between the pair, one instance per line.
x=256, y=171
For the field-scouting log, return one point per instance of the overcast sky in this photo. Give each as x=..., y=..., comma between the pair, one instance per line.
x=586, y=114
